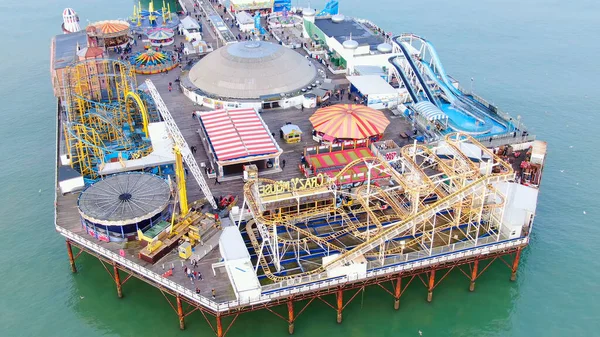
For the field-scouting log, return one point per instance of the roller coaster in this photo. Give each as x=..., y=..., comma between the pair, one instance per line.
x=305, y=229
x=423, y=75
x=106, y=116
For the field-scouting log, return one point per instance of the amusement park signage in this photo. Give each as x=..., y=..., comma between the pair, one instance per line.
x=295, y=184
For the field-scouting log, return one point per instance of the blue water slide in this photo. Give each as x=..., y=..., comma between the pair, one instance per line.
x=450, y=95
x=440, y=68
x=472, y=107
x=420, y=78
x=331, y=8
x=405, y=80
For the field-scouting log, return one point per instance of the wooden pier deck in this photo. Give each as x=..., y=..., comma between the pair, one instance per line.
x=181, y=109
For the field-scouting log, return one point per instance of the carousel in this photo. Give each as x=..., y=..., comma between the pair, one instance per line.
x=153, y=62
x=144, y=20
x=161, y=37
x=342, y=122
x=110, y=33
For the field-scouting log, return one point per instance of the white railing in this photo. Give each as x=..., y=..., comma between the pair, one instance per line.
x=292, y=286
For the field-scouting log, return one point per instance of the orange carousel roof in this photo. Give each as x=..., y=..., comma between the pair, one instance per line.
x=349, y=121
x=112, y=27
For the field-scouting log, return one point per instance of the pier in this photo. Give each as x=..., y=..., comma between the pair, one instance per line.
x=417, y=215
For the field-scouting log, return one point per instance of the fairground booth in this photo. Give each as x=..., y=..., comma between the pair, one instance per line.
x=376, y=92
x=331, y=159
x=341, y=122
x=290, y=133
x=237, y=137
x=191, y=29
x=264, y=6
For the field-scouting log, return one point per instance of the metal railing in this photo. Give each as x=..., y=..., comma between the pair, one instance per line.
x=309, y=283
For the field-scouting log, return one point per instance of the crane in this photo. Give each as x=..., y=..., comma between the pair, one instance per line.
x=182, y=148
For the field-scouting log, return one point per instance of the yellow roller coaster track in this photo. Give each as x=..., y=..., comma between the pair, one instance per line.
x=392, y=230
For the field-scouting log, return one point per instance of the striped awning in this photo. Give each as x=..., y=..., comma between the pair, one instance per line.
x=349, y=121
x=429, y=111
x=237, y=133
x=111, y=27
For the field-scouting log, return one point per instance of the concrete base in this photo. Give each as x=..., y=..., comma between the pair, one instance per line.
x=429, y=296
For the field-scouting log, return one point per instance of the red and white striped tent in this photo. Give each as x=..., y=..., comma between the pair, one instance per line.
x=237, y=135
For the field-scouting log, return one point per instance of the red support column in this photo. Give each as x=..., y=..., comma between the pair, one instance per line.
x=431, y=286
x=515, y=265
x=340, y=305
x=219, y=326
x=397, y=292
x=473, y=275
x=71, y=258
x=117, y=280
x=180, y=313
x=290, y=306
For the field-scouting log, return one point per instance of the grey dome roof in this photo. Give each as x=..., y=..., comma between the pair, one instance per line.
x=123, y=199
x=252, y=69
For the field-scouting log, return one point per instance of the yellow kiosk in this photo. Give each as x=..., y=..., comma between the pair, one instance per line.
x=250, y=172
x=291, y=133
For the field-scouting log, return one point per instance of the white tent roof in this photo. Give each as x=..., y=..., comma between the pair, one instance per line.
x=232, y=246
x=365, y=70
x=190, y=23
x=162, y=152
x=470, y=150
x=372, y=84
x=244, y=18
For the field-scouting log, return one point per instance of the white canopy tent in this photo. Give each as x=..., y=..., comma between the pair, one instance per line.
x=245, y=21
x=190, y=28
x=238, y=265
x=379, y=93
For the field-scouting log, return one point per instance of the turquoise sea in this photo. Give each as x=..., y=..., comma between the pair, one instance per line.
x=533, y=58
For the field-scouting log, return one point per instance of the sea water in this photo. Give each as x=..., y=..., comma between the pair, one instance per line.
x=533, y=58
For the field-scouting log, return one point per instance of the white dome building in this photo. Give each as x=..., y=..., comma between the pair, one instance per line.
x=70, y=21
x=252, y=71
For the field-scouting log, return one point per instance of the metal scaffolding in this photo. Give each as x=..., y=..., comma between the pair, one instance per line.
x=106, y=120
x=426, y=205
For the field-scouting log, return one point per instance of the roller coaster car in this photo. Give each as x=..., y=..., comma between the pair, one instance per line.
x=226, y=201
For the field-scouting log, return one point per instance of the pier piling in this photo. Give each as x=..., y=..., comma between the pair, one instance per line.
x=290, y=306
x=431, y=286
x=515, y=265
x=340, y=305
x=117, y=280
x=397, y=292
x=180, y=313
x=219, y=326
x=71, y=258
x=473, y=275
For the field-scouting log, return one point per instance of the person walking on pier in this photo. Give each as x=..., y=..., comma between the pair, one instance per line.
x=217, y=181
x=283, y=164
x=213, y=293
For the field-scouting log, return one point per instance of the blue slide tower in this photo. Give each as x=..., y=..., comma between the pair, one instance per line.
x=331, y=8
